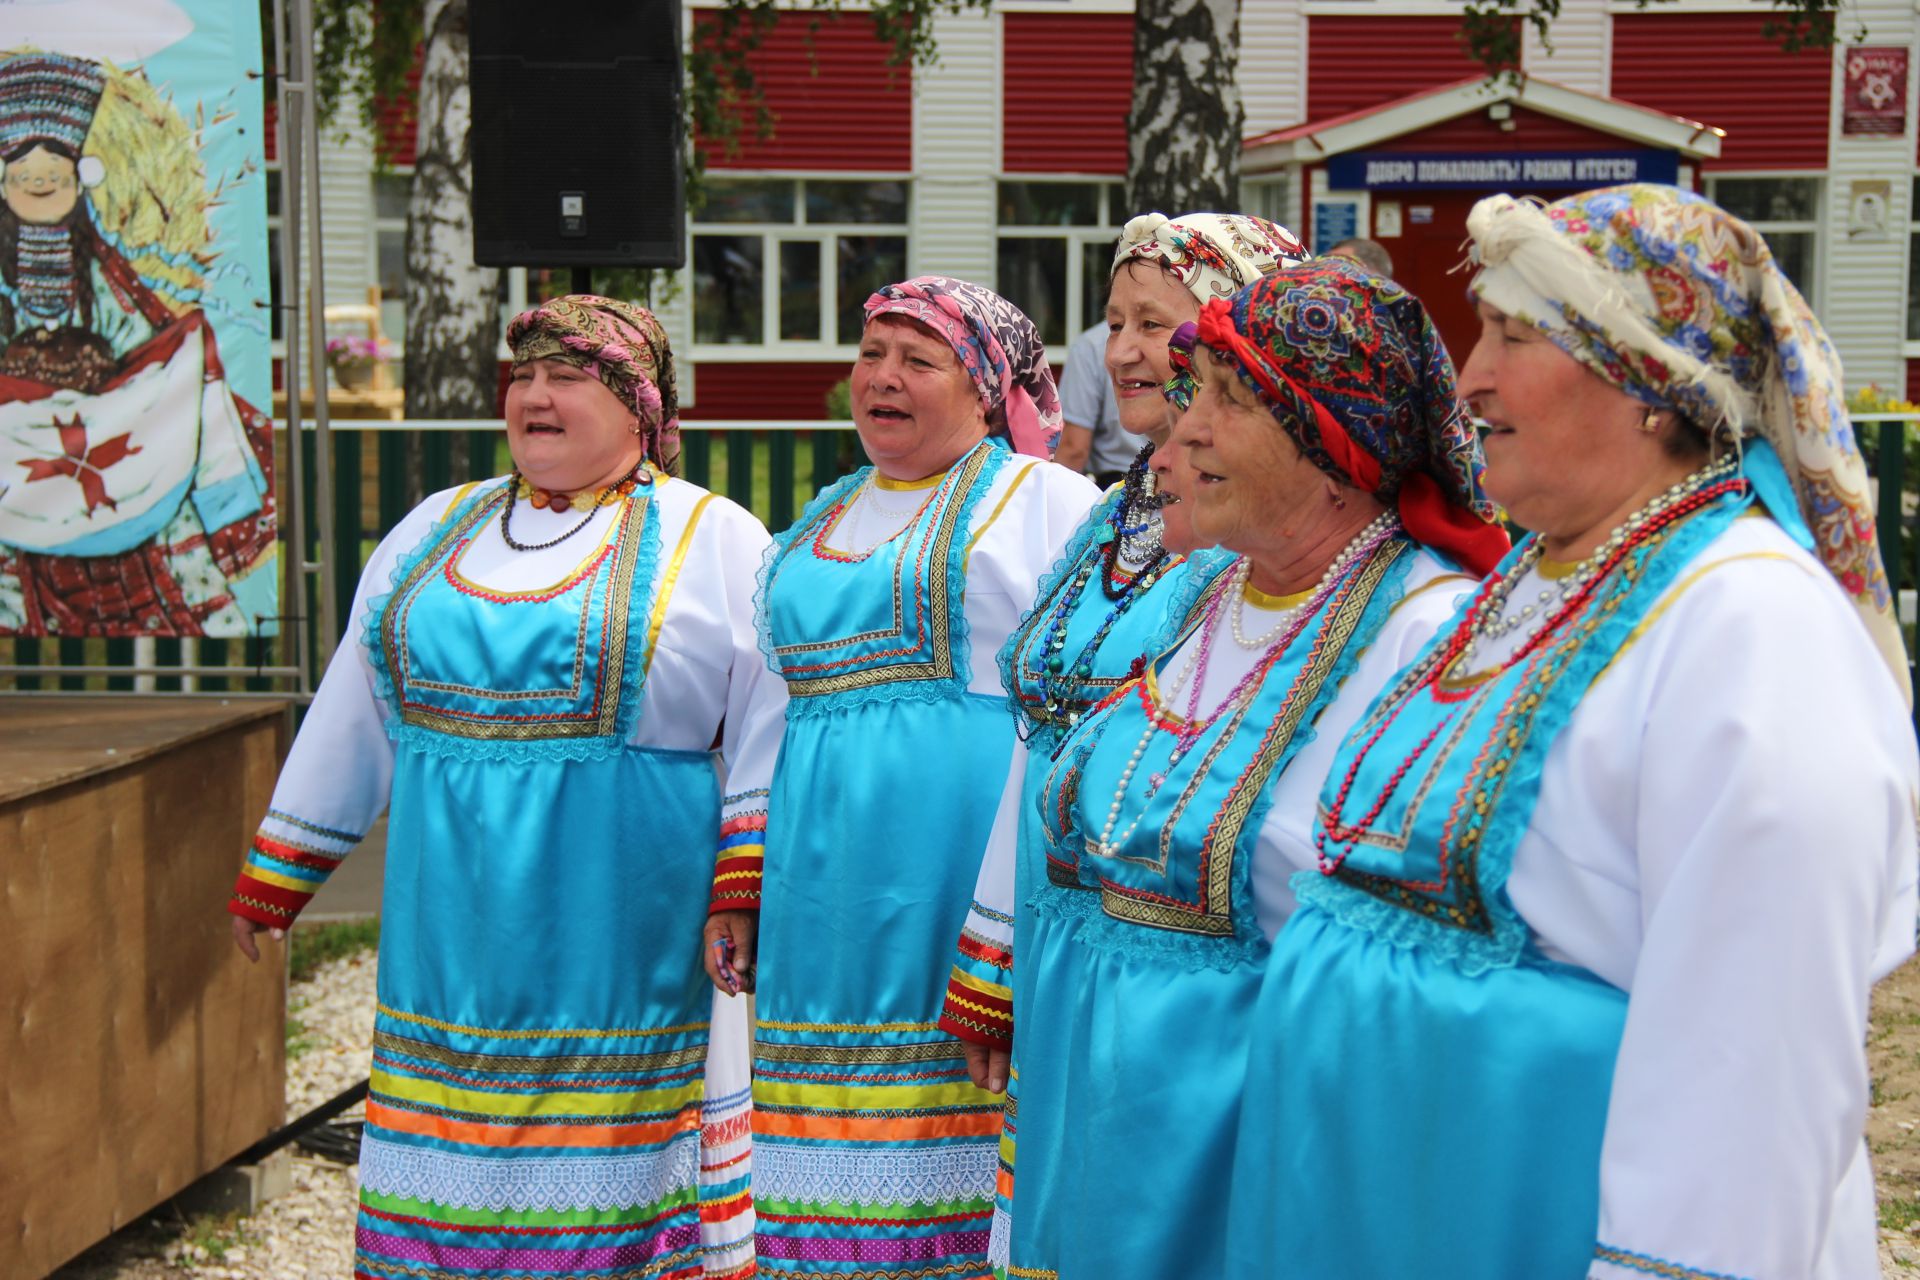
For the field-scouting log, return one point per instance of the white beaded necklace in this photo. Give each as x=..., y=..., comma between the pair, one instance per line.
x=1236, y=701
x=1382, y=525
x=1496, y=621
x=855, y=519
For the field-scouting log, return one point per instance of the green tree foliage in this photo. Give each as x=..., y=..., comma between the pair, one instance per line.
x=1493, y=30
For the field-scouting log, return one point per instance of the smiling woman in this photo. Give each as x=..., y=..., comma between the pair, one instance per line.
x=544, y=667
x=883, y=608
x=1173, y=813
x=1607, y=874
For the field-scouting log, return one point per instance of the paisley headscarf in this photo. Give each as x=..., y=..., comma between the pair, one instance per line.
x=997, y=344
x=1351, y=366
x=1681, y=305
x=1213, y=254
x=622, y=345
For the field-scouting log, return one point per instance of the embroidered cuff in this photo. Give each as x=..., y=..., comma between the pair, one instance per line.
x=742, y=853
x=1611, y=1262
x=289, y=860
x=978, y=1012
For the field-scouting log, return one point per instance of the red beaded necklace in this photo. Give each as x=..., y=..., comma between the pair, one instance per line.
x=1432, y=674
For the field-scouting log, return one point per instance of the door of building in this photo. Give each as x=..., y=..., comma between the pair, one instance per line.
x=1430, y=255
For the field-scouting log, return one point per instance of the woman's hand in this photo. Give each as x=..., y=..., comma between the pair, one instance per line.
x=243, y=931
x=988, y=1067
x=726, y=949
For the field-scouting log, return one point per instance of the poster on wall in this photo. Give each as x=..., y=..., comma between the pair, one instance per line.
x=136, y=485
x=1874, y=92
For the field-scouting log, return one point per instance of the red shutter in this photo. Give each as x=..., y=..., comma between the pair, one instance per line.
x=1358, y=62
x=836, y=103
x=764, y=390
x=1066, y=89
x=397, y=121
x=1913, y=381
x=273, y=129
x=1719, y=69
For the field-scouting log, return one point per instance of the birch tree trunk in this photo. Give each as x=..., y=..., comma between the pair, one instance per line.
x=452, y=312
x=1186, y=121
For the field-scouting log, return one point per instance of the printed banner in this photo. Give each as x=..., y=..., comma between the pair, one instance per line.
x=1429, y=171
x=136, y=470
x=1873, y=101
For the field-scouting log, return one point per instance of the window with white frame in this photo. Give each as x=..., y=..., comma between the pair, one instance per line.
x=1783, y=208
x=1271, y=196
x=391, y=190
x=1056, y=246
x=782, y=261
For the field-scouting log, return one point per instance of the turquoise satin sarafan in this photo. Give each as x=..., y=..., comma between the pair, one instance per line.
x=1428, y=1093
x=546, y=883
x=871, y=1145
x=1144, y=621
x=1133, y=1042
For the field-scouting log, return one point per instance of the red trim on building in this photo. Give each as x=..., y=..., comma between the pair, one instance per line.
x=272, y=120
x=1913, y=381
x=1358, y=62
x=774, y=390
x=1774, y=105
x=1066, y=88
x=837, y=105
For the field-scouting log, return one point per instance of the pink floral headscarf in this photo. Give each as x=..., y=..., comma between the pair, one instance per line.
x=619, y=343
x=998, y=345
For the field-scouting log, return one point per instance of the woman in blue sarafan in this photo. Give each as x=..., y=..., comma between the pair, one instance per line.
x=1325, y=448
x=1096, y=609
x=1580, y=986
x=883, y=608
x=549, y=675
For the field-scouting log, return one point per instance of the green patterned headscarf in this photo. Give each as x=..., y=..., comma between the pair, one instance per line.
x=1681, y=305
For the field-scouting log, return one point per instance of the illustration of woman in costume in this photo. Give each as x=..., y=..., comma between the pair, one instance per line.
x=134, y=485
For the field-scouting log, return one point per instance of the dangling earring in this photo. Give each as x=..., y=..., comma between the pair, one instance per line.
x=1650, y=425
x=1339, y=502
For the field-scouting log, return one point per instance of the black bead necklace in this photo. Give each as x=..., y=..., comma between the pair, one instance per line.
x=638, y=477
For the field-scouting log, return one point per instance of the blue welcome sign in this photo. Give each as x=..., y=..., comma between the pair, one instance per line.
x=1480, y=171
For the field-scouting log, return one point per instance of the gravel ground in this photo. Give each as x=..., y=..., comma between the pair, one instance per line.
x=308, y=1233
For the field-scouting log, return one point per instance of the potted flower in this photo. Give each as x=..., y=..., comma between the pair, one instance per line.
x=354, y=359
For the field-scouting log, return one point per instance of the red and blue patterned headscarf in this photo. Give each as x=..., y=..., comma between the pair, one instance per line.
x=1351, y=366
x=997, y=344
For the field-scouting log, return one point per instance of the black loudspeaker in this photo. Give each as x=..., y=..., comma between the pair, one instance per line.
x=578, y=156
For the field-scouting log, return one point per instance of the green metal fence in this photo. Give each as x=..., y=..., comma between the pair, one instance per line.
x=769, y=468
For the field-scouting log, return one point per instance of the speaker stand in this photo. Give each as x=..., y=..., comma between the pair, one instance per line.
x=583, y=280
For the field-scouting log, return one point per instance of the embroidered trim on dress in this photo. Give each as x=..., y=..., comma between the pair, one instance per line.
x=1655, y=1266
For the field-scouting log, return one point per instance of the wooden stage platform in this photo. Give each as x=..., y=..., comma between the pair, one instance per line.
x=138, y=1048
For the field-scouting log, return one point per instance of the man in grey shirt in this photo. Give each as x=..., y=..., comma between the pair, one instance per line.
x=1090, y=436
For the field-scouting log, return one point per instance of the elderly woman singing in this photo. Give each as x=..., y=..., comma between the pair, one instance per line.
x=1095, y=611
x=1580, y=986
x=540, y=668
x=1330, y=455
x=884, y=608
